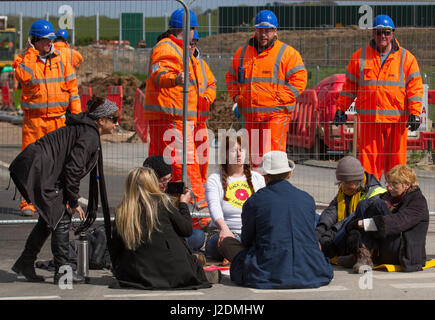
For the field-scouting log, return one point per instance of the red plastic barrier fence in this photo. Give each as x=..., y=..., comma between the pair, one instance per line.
x=141, y=125
x=305, y=120
x=85, y=96
x=6, y=95
x=115, y=94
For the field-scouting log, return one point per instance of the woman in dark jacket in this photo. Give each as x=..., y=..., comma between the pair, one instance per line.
x=48, y=172
x=355, y=185
x=393, y=228
x=148, y=246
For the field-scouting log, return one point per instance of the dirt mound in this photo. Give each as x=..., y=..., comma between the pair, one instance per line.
x=129, y=83
x=222, y=116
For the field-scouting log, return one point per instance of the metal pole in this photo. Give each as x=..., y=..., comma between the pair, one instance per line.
x=186, y=33
x=97, y=22
x=21, y=30
x=120, y=28
x=355, y=135
x=209, y=24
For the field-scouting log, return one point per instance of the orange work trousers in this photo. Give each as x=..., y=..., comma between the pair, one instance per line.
x=202, y=146
x=35, y=128
x=267, y=136
x=166, y=139
x=382, y=146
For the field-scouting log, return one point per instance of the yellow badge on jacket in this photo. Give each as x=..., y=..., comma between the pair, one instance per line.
x=237, y=193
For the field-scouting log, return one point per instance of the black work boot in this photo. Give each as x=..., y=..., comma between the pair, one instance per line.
x=76, y=278
x=27, y=269
x=25, y=263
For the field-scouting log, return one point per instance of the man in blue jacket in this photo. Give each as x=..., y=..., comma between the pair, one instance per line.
x=278, y=246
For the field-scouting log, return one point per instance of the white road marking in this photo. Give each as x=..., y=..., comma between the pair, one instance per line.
x=30, y=298
x=129, y=295
x=420, y=285
x=321, y=289
x=407, y=275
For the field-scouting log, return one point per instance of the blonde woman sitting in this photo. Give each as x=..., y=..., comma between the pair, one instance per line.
x=149, y=250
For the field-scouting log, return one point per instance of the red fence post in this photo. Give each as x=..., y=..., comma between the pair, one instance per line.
x=85, y=96
x=114, y=94
x=141, y=125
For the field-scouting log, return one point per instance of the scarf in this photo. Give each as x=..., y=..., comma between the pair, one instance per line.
x=341, y=200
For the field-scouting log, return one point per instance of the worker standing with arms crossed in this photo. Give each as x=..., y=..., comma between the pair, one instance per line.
x=164, y=105
x=386, y=80
x=49, y=88
x=265, y=78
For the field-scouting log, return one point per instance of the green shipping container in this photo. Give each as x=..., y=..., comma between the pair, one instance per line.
x=132, y=27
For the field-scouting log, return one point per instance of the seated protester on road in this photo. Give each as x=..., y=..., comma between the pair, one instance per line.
x=354, y=185
x=391, y=229
x=227, y=190
x=278, y=247
x=48, y=172
x=148, y=246
x=163, y=172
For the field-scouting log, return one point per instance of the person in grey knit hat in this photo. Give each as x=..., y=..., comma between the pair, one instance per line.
x=349, y=169
x=354, y=185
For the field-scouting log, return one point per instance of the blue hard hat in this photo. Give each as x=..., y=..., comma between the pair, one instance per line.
x=62, y=33
x=42, y=29
x=176, y=19
x=266, y=19
x=195, y=35
x=383, y=21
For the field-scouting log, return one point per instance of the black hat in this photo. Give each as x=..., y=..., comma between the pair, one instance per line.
x=159, y=165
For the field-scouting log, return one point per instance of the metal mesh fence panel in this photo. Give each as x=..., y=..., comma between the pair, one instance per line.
x=116, y=40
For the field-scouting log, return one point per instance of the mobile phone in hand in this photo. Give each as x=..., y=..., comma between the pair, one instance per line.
x=175, y=187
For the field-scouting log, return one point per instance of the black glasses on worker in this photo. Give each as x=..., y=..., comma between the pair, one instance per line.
x=383, y=32
x=113, y=119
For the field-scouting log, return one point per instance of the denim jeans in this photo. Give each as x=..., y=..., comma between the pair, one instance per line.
x=196, y=240
x=211, y=247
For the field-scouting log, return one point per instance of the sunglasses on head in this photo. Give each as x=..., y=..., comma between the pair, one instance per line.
x=113, y=119
x=383, y=32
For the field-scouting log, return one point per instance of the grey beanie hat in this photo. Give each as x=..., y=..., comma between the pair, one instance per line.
x=349, y=169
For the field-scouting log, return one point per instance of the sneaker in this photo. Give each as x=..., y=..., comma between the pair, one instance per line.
x=225, y=263
x=27, y=209
x=213, y=276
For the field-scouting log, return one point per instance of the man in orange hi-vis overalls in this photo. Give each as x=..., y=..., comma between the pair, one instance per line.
x=164, y=105
x=386, y=80
x=207, y=95
x=72, y=56
x=49, y=88
x=265, y=78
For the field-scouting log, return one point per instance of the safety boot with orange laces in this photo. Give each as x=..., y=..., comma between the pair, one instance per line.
x=27, y=209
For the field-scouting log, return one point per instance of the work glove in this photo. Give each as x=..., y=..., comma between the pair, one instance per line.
x=236, y=111
x=413, y=122
x=339, y=118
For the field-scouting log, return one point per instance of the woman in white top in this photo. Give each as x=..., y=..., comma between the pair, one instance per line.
x=226, y=191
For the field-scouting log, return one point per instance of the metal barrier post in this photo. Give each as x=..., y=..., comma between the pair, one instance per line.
x=186, y=40
x=355, y=134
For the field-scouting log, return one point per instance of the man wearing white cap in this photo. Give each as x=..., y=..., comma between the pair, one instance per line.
x=278, y=247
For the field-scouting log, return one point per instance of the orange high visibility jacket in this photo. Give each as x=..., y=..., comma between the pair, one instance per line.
x=387, y=94
x=73, y=57
x=206, y=86
x=48, y=89
x=267, y=83
x=163, y=99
